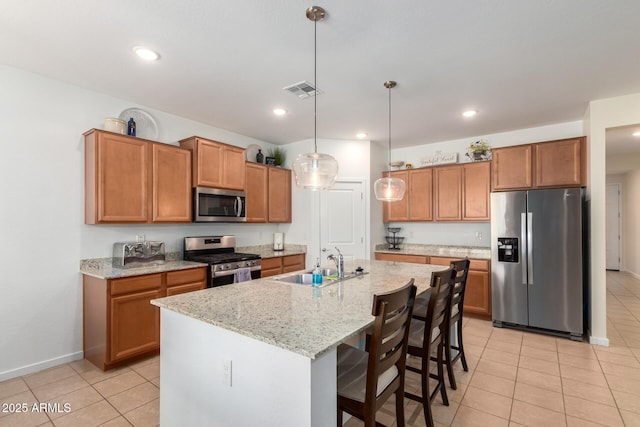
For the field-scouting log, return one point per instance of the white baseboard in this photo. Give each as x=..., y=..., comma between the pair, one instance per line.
x=30, y=369
x=599, y=341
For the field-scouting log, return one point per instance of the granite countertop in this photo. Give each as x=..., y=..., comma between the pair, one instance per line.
x=266, y=251
x=473, y=252
x=102, y=268
x=300, y=318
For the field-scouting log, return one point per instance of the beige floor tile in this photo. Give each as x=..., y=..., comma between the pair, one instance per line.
x=583, y=375
x=539, y=397
x=506, y=346
x=75, y=400
x=93, y=375
x=540, y=353
x=17, y=404
x=619, y=359
x=612, y=368
x=542, y=342
x=117, y=422
x=587, y=391
x=11, y=387
x=150, y=370
x=145, y=415
x=156, y=381
x=621, y=383
x=500, y=356
x=534, y=416
x=591, y=364
x=621, y=350
x=486, y=401
x=24, y=419
x=498, y=369
x=458, y=394
x=575, y=348
x=591, y=411
x=470, y=417
x=631, y=419
x=59, y=388
x=92, y=415
x=507, y=335
x=579, y=422
x=539, y=379
x=119, y=383
x=473, y=350
x=497, y=385
x=474, y=340
x=134, y=397
x=48, y=376
x=539, y=365
x=444, y=414
x=627, y=401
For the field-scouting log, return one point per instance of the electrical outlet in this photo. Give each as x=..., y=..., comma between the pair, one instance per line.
x=226, y=372
x=479, y=235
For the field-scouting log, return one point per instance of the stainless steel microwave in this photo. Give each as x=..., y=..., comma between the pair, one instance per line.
x=216, y=205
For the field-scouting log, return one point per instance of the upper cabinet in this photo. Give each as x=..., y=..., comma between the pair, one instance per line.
x=215, y=164
x=476, y=191
x=447, y=193
x=268, y=193
x=543, y=165
x=416, y=205
x=132, y=180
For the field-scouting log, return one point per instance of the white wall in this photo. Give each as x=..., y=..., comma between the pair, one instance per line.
x=473, y=233
x=631, y=222
x=41, y=214
x=601, y=115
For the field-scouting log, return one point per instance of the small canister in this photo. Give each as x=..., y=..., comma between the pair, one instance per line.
x=115, y=125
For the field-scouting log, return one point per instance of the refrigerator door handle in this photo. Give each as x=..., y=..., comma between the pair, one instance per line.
x=530, y=247
x=523, y=239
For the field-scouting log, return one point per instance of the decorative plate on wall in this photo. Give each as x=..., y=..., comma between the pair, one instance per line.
x=146, y=126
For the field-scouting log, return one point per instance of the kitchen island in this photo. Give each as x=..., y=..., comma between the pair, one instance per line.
x=264, y=352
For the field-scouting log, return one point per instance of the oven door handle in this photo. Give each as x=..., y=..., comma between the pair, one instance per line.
x=232, y=272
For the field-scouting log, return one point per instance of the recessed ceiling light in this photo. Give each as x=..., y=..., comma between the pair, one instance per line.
x=469, y=113
x=361, y=135
x=146, y=53
x=279, y=111
x=637, y=134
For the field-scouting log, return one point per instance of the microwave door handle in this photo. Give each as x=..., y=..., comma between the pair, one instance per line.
x=238, y=206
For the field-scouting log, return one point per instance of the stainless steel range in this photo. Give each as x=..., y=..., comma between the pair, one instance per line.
x=226, y=265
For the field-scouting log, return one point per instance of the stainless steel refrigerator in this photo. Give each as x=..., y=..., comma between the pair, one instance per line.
x=537, y=260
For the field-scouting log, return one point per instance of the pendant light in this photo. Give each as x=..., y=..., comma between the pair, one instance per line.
x=389, y=189
x=315, y=171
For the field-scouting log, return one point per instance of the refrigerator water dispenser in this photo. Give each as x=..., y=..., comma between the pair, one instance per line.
x=508, y=249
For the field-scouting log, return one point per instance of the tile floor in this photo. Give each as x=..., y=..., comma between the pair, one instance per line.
x=514, y=379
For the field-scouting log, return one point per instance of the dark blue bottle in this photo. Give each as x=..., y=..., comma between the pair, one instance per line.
x=131, y=127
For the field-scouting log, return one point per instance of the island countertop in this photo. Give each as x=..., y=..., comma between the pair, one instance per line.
x=474, y=252
x=299, y=318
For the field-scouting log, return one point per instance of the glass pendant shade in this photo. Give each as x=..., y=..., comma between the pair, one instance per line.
x=389, y=189
x=315, y=171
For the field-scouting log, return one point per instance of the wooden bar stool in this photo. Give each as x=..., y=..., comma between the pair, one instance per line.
x=428, y=334
x=366, y=379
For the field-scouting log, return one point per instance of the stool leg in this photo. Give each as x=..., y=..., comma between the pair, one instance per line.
x=400, y=407
x=443, y=387
x=461, y=346
x=447, y=360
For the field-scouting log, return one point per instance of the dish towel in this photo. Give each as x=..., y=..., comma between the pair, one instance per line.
x=242, y=275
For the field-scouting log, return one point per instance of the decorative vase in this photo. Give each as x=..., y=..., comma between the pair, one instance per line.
x=260, y=157
x=478, y=156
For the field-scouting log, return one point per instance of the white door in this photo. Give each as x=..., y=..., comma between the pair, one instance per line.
x=613, y=226
x=343, y=219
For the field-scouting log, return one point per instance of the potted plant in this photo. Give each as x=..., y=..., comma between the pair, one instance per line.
x=479, y=150
x=279, y=155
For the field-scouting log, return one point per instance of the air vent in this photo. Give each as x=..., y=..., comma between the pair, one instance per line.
x=303, y=89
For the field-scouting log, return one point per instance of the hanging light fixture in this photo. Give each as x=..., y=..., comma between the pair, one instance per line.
x=315, y=171
x=389, y=189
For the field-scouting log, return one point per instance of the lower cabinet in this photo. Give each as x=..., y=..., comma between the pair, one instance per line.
x=119, y=321
x=477, y=296
x=416, y=259
x=282, y=264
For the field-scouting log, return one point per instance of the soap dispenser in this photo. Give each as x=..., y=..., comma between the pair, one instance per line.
x=316, y=274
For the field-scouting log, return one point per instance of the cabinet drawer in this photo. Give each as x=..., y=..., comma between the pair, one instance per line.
x=189, y=287
x=271, y=263
x=186, y=276
x=270, y=272
x=415, y=259
x=135, y=284
x=293, y=260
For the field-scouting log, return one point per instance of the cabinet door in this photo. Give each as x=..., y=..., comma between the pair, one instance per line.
x=293, y=263
x=477, y=295
x=209, y=160
x=420, y=189
x=271, y=266
x=122, y=178
x=397, y=211
x=257, y=192
x=512, y=168
x=171, y=177
x=233, y=172
x=476, y=193
x=559, y=163
x=447, y=193
x=279, y=195
x=134, y=324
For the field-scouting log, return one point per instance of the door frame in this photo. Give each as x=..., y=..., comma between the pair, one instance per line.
x=620, y=235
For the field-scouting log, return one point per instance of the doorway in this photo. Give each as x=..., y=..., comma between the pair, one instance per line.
x=343, y=219
x=613, y=229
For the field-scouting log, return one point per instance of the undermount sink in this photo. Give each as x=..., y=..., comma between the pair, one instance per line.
x=329, y=276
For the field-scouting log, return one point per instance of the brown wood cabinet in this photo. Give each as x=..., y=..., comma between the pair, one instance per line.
x=268, y=193
x=447, y=193
x=120, y=323
x=548, y=164
x=416, y=259
x=476, y=191
x=132, y=180
x=477, y=297
x=215, y=164
x=417, y=202
x=282, y=264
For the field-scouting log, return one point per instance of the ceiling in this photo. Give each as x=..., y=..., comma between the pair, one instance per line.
x=224, y=62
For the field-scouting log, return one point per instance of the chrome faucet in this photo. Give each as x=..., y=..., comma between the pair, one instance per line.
x=339, y=262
